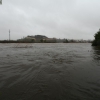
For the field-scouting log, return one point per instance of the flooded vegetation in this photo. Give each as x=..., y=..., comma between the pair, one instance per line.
x=50, y=72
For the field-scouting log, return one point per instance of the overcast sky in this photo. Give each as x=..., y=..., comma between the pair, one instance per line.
x=71, y=19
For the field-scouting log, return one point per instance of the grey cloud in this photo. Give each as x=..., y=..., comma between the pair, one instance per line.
x=78, y=19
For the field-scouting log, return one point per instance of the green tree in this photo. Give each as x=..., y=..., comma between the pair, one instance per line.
x=97, y=39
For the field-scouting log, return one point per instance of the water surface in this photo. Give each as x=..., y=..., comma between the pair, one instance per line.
x=49, y=72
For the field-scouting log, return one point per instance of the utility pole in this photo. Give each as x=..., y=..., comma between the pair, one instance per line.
x=9, y=35
x=0, y=2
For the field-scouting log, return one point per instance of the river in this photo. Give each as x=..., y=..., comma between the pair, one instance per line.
x=46, y=71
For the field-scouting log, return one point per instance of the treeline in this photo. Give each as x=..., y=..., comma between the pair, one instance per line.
x=46, y=41
x=14, y=41
x=96, y=41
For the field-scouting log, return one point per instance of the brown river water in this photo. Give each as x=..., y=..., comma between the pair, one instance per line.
x=57, y=71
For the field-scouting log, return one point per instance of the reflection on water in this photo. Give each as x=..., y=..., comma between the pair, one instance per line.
x=50, y=72
x=96, y=53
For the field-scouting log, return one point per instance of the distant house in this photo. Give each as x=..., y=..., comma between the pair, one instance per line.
x=27, y=39
x=36, y=38
x=59, y=40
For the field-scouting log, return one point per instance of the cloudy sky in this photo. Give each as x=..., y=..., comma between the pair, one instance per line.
x=71, y=19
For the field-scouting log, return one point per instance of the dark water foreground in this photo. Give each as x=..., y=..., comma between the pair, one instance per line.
x=50, y=72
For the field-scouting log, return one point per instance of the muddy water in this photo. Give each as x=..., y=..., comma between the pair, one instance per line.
x=49, y=72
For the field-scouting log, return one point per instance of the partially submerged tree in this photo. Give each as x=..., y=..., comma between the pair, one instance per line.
x=96, y=41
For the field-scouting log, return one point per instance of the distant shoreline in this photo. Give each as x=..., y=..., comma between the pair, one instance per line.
x=15, y=41
x=40, y=42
